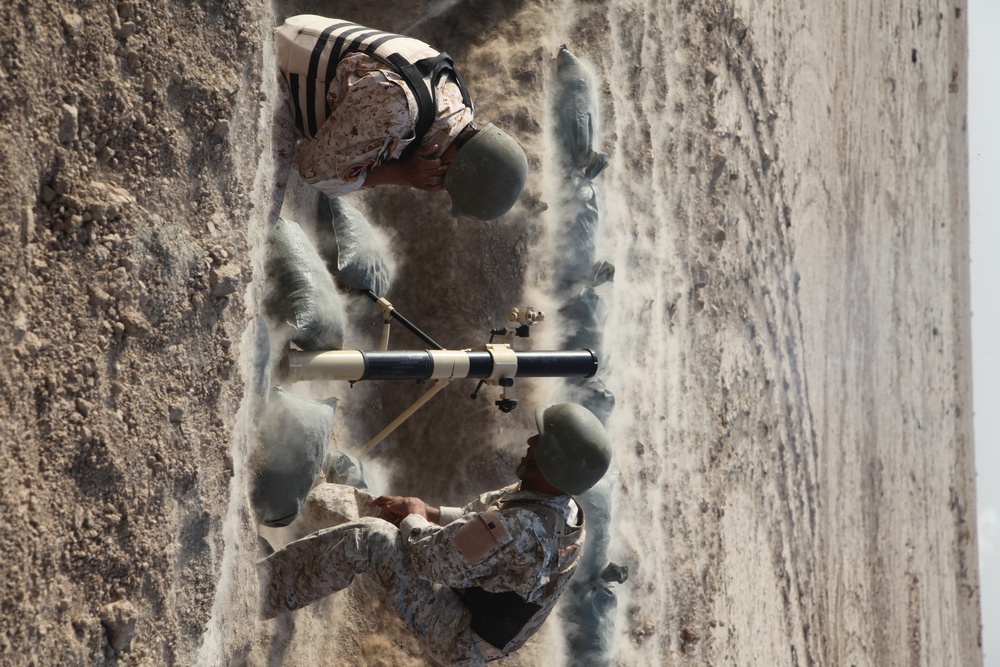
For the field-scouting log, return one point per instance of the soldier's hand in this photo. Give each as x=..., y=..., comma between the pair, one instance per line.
x=424, y=171
x=396, y=508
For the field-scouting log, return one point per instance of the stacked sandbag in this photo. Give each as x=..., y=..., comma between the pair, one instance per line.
x=356, y=254
x=287, y=454
x=576, y=115
x=578, y=236
x=585, y=314
x=578, y=273
x=591, y=595
x=342, y=468
x=300, y=302
x=589, y=605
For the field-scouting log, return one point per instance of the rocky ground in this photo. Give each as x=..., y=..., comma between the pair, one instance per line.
x=128, y=151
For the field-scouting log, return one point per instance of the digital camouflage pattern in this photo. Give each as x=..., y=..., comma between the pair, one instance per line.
x=423, y=566
x=373, y=118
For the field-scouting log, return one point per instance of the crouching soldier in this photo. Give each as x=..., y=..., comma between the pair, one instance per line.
x=366, y=108
x=473, y=583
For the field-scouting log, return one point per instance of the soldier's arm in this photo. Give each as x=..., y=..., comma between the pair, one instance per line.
x=480, y=504
x=396, y=508
x=500, y=551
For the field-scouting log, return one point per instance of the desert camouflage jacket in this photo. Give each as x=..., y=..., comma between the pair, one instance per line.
x=500, y=543
x=372, y=120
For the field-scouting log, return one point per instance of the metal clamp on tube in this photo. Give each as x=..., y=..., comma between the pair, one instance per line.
x=504, y=361
x=504, y=369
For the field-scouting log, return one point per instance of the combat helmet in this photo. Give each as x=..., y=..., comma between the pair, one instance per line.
x=487, y=175
x=573, y=450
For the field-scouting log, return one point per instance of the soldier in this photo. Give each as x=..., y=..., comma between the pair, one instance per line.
x=372, y=108
x=473, y=583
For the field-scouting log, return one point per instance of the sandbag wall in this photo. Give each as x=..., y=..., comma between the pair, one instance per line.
x=301, y=305
x=589, y=604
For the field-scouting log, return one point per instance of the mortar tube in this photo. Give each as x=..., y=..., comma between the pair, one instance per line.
x=355, y=365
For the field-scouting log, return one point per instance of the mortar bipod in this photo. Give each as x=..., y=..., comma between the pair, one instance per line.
x=390, y=313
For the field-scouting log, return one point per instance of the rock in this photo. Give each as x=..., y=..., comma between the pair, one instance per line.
x=176, y=414
x=73, y=23
x=112, y=198
x=60, y=184
x=127, y=30
x=31, y=344
x=119, y=620
x=20, y=327
x=99, y=298
x=711, y=74
x=221, y=129
x=135, y=323
x=83, y=407
x=68, y=123
x=224, y=280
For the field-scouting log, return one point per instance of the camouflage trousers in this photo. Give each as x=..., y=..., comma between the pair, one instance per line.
x=328, y=560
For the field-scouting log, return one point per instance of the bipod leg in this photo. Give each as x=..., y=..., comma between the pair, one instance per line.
x=406, y=414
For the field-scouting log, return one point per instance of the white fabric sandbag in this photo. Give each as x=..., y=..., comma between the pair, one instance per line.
x=291, y=443
x=356, y=253
x=575, y=113
x=578, y=235
x=300, y=300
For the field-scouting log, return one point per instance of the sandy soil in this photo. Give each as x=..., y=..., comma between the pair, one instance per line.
x=786, y=206
x=128, y=152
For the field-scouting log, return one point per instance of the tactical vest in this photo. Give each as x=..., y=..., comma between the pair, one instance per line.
x=311, y=47
x=505, y=620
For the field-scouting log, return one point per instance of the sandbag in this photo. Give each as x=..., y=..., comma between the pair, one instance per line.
x=584, y=316
x=287, y=454
x=597, y=504
x=590, y=602
x=575, y=112
x=259, y=384
x=330, y=505
x=578, y=239
x=356, y=254
x=585, y=313
x=593, y=393
x=588, y=617
x=342, y=468
x=300, y=300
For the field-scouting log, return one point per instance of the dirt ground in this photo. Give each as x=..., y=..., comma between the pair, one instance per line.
x=785, y=206
x=128, y=151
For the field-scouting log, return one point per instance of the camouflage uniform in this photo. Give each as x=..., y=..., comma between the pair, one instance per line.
x=372, y=118
x=496, y=544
